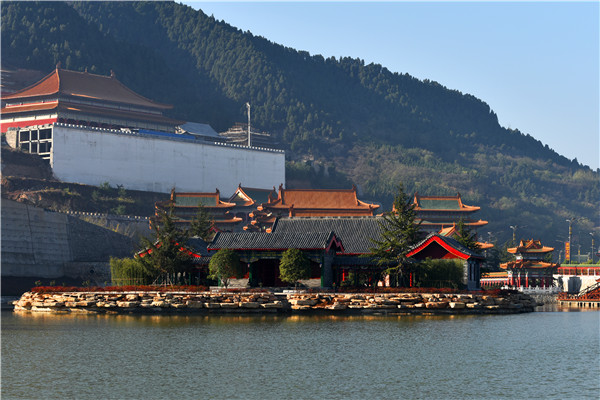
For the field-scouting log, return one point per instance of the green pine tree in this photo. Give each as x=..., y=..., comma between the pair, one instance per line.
x=165, y=254
x=202, y=224
x=466, y=236
x=400, y=232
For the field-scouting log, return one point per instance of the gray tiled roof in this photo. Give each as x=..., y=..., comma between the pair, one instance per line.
x=354, y=232
x=276, y=240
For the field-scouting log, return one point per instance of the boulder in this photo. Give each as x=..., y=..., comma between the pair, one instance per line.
x=194, y=304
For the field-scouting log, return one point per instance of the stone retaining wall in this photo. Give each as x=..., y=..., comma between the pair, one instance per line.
x=168, y=302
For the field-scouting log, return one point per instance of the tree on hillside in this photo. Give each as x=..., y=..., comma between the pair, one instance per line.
x=223, y=265
x=399, y=232
x=294, y=266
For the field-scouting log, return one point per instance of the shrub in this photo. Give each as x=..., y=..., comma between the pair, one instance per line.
x=294, y=266
x=129, y=271
x=224, y=265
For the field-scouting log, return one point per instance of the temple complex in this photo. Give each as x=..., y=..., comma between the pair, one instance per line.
x=186, y=205
x=438, y=212
x=528, y=270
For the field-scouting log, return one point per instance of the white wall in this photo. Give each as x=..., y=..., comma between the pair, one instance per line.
x=143, y=162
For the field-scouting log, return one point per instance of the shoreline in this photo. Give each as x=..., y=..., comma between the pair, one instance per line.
x=155, y=302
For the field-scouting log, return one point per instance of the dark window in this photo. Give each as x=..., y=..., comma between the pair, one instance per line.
x=24, y=136
x=34, y=147
x=46, y=134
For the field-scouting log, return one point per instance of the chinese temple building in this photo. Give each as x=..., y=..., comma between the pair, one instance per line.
x=185, y=208
x=262, y=252
x=438, y=212
x=81, y=98
x=93, y=129
x=527, y=271
x=452, y=232
x=355, y=233
x=436, y=246
x=304, y=203
x=247, y=199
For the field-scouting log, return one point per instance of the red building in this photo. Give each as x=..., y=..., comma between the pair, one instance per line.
x=84, y=99
x=440, y=247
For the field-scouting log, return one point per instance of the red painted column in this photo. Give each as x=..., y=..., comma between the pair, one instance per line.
x=526, y=279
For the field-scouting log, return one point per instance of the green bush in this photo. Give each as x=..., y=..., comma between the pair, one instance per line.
x=294, y=266
x=224, y=265
x=440, y=273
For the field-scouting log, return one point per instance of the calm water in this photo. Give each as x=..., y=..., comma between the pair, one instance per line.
x=539, y=355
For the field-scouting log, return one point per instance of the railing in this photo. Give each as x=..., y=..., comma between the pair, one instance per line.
x=534, y=290
x=585, y=271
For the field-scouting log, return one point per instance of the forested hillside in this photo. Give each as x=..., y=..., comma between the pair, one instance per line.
x=341, y=121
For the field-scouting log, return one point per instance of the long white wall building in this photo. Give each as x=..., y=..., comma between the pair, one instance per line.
x=149, y=161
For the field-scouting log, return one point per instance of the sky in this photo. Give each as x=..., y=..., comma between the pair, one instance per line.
x=536, y=64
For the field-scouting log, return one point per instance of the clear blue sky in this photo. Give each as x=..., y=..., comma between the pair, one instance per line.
x=536, y=64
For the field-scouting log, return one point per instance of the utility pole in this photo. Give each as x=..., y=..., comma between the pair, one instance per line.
x=514, y=229
x=571, y=222
x=249, y=131
x=592, y=234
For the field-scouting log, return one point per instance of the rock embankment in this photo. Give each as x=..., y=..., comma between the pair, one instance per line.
x=168, y=302
x=416, y=303
x=112, y=302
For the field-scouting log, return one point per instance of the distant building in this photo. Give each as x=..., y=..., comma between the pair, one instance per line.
x=527, y=271
x=84, y=99
x=438, y=212
x=300, y=203
x=185, y=208
x=452, y=232
x=247, y=199
x=92, y=129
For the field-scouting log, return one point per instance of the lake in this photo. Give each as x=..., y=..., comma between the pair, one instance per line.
x=550, y=354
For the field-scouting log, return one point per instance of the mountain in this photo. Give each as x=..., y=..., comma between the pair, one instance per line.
x=340, y=121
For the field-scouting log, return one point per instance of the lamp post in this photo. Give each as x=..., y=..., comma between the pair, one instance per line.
x=592, y=235
x=571, y=222
x=514, y=229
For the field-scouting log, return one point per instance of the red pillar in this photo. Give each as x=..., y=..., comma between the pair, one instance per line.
x=526, y=280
